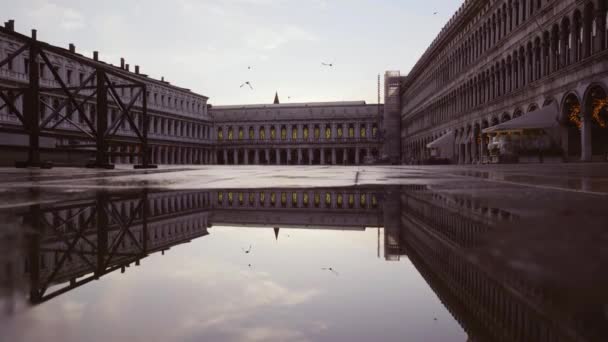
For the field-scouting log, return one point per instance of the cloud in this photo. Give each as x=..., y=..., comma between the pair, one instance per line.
x=269, y=39
x=67, y=17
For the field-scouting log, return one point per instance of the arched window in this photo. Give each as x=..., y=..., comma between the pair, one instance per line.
x=328, y=199
x=351, y=131
x=262, y=198
x=251, y=198
x=305, y=199
x=363, y=131
x=241, y=133
x=273, y=199
x=375, y=131
x=251, y=133
x=230, y=133
x=340, y=131
x=327, y=132
x=294, y=133
x=262, y=133
x=283, y=133
x=305, y=132
x=317, y=199
x=317, y=132
x=273, y=133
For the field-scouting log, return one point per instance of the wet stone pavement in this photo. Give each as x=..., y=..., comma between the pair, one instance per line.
x=509, y=253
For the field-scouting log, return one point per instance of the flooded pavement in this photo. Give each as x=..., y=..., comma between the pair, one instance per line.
x=307, y=254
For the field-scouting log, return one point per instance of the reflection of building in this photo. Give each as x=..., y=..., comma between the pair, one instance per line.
x=440, y=234
x=511, y=60
x=332, y=133
x=72, y=243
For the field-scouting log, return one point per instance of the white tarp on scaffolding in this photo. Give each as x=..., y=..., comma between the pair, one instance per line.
x=444, y=145
x=545, y=118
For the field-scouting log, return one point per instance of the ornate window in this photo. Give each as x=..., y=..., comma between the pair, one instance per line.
x=306, y=132
x=294, y=133
x=262, y=198
x=351, y=131
x=363, y=131
x=305, y=199
x=362, y=200
x=220, y=198
x=317, y=132
x=283, y=133
x=273, y=199
x=230, y=133
x=251, y=133
x=327, y=199
x=273, y=133
x=262, y=133
x=327, y=132
x=241, y=133
x=294, y=199
x=251, y=198
x=340, y=131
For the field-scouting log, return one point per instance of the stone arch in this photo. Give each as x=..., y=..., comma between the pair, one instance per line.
x=505, y=117
x=532, y=107
x=595, y=111
x=570, y=125
x=517, y=113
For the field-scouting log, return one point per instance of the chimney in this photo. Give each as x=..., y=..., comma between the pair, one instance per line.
x=10, y=25
x=162, y=79
x=137, y=69
x=72, y=48
x=34, y=34
x=122, y=63
x=127, y=67
x=96, y=55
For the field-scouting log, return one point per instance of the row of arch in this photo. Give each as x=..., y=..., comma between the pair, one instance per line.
x=298, y=132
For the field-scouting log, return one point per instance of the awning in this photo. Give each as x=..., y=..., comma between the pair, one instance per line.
x=444, y=141
x=544, y=118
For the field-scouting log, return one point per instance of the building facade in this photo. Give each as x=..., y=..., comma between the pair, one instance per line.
x=327, y=133
x=179, y=131
x=499, y=60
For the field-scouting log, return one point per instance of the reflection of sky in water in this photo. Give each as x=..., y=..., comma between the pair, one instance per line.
x=206, y=291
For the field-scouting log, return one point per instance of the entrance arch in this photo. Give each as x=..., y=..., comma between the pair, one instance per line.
x=571, y=123
x=595, y=123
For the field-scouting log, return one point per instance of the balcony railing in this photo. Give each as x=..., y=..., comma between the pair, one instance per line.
x=299, y=141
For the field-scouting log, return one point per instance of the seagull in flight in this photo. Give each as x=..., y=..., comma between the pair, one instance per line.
x=435, y=13
x=247, y=83
x=330, y=269
x=327, y=64
x=247, y=251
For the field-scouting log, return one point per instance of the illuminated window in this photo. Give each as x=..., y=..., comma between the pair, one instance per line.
x=362, y=131
x=294, y=199
x=374, y=201
x=230, y=133
x=241, y=198
x=363, y=200
x=317, y=132
x=273, y=133
x=262, y=133
x=328, y=132
x=374, y=131
x=305, y=199
x=220, y=197
x=339, y=200
x=283, y=133
x=251, y=198
x=294, y=133
x=317, y=200
x=351, y=131
x=241, y=133
x=327, y=199
x=283, y=199
x=262, y=199
x=251, y=133
x=340, y=132
x=306, y=132
x=273, y=199
x=230, y=198
x=351, y=201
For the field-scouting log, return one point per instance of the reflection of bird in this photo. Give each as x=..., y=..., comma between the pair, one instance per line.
x=247, y=83
x=435, y=13
x=328, y=64
x=247, y=251
x=330, y=269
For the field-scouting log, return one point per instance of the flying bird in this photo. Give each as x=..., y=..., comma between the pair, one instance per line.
x=435, y=13
x=327, y=64
x=247, y=251
x=330, y=269
x=247, y=83
x=249, y=67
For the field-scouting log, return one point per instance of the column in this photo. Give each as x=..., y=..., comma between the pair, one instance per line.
x=236, y=157
x=586, y=152
x=257, y=157
x=278, y=154
x=333, y=156
x=357, y=161
x=246, y=156
x=226, y=162
x=299, y=156
x=322, y=150
x=309, y=156
x=345, y=156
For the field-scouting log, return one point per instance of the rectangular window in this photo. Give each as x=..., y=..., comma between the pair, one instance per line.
x=42, y=70
x=81, y=77
x=26, y=64
x=69, y=76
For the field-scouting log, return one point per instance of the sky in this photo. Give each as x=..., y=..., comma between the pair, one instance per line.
x=214, y=46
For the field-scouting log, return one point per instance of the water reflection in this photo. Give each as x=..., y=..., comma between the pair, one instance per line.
x=455, y=241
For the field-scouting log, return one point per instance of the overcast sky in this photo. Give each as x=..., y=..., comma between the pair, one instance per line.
x=208, y=45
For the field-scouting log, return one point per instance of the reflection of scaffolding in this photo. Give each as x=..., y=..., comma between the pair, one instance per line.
x=99, y=86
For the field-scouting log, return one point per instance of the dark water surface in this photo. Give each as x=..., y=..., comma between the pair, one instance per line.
x=367, y=263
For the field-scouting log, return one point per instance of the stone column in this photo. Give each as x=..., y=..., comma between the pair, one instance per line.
x=322, y=150
x=345, y=156
x=299, y=156
x=226, y=162
x=278, y=154
x=257, y=157
x=600, y=38
x=267, y=154
x=357, y=161
x=586, y=152
x=333, y=156
x=310, y=156
x=246, y=156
